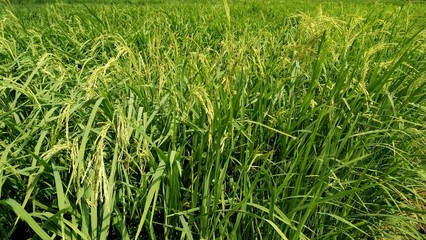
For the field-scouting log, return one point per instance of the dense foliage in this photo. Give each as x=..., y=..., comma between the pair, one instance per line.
x=188, y=120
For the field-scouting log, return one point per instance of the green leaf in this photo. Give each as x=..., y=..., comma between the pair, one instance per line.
x=20, y=211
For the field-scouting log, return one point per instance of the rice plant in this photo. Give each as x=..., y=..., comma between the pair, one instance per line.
x=213, y=120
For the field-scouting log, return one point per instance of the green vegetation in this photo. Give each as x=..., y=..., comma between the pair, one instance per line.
x=247, y=120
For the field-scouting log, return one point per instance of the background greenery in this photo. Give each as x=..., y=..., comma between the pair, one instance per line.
x=228, y=120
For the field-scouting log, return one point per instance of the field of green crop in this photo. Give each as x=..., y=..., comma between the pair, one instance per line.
x=213, y=120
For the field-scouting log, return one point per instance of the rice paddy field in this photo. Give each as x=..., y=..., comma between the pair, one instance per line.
x=212, y=119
